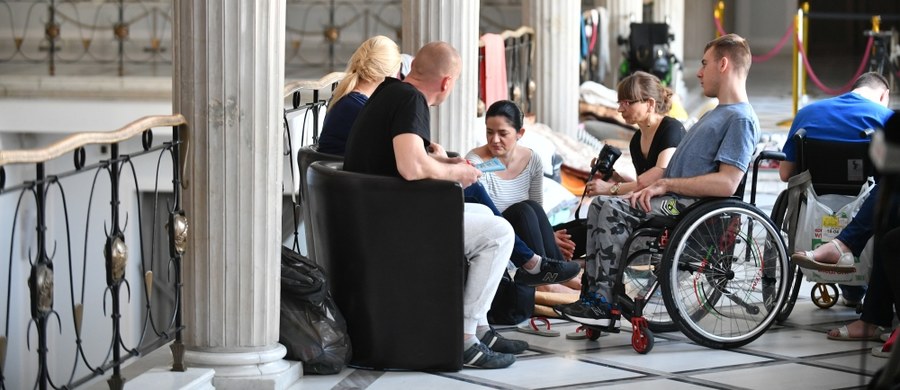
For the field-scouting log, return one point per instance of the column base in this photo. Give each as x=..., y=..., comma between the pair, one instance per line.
x=257, y=370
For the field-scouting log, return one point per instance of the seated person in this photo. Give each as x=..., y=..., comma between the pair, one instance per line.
x=644, y=101
x=879, y=303
x=392, y=138
x=841, y=118
x=378, y=57
x=709, y=162
x=518, y=192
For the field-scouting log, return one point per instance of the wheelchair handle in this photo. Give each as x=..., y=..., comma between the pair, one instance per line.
x=764, y=155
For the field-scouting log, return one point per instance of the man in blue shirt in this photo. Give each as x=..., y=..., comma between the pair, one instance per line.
x=841, y=118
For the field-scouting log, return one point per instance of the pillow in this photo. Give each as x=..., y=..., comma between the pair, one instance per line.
x=559, y=203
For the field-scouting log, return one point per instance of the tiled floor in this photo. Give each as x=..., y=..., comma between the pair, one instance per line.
x=792, y=355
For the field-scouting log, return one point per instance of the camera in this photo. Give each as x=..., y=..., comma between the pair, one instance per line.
x=605, y=160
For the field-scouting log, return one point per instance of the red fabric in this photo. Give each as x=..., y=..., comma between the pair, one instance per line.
x=492, y=70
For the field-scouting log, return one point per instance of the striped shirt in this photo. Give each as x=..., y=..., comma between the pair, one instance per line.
x=527, y=185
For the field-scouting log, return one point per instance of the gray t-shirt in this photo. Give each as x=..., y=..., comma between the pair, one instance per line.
x=728, y=134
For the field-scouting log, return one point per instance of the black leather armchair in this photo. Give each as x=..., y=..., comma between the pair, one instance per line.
x=396, y=265
x=305, y=157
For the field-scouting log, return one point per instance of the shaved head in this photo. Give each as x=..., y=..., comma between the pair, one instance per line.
x=435, y=61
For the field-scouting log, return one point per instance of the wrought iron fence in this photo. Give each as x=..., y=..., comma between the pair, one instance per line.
x=519, y=59
x=303, y=118
x=78, y=299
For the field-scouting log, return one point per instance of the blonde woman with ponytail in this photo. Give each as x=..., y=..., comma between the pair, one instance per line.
x=378, y=57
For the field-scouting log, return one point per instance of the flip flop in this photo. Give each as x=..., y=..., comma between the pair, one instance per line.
x=581, y=334
x=532, y=328
x=844, y=335
x=884, y=351
x=806, y=259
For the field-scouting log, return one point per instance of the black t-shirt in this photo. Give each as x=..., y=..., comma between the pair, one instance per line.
x=394, y=108
x=668, y=135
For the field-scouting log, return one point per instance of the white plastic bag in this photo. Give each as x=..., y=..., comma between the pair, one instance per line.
x=821, y=219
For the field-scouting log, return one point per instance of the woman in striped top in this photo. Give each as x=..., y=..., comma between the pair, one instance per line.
x=518, y=190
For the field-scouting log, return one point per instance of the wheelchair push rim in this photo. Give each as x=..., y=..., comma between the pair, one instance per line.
x=725, y=274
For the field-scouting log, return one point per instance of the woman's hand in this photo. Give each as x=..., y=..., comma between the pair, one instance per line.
x=597, y=187
x=565, y=243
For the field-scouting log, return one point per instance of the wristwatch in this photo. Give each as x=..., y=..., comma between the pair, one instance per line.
x=614, y=190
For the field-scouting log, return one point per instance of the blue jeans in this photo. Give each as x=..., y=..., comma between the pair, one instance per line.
x=476, y=193
x=855, y=235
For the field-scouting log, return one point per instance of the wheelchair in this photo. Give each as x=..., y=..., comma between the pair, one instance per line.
x=647, y=49
x=717, y=272
x=836, y=168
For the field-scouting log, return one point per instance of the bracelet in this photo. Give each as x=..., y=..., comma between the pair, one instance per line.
x=614, y=190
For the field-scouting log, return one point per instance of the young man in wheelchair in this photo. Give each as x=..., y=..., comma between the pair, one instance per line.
x=710, y=162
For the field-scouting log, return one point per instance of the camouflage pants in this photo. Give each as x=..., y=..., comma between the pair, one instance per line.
x=610, y=222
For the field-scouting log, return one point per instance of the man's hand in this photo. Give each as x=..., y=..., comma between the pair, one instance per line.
x=565, y=243
x=465, y=173
x=437, y=151
x=642, y=198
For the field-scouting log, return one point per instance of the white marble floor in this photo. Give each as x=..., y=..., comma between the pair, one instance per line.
x=793, y=355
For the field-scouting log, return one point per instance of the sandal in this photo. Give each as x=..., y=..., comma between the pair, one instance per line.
x=884, y=351
x=806, y=259
x=844, y=335
x=532, y=328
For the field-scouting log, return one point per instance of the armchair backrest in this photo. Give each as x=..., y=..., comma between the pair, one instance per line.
x=305, y=157
x=396, y=266
x=835, y=167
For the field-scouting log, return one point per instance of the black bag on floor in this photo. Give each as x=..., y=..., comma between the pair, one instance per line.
x=312, y=328
x=513, y=302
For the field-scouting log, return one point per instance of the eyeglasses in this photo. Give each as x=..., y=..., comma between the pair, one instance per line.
x=626, y=103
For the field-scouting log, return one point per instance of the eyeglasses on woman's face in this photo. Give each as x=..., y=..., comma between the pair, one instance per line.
x=627, y=103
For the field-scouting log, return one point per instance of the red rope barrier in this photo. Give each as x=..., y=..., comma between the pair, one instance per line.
x=845, y=87
x=771, y=53
x=809, y=70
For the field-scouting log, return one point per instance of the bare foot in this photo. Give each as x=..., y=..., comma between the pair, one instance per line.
x=828, y=253
x=856, y=329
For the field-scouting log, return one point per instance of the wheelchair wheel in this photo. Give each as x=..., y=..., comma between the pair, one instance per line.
x=795, y=275
x=724, y=274
x=824, y=295
x=639, y=278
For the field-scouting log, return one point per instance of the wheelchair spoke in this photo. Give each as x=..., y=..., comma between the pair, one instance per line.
x=727, y=275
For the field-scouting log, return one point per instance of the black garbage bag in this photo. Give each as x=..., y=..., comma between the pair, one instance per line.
x=312, y=328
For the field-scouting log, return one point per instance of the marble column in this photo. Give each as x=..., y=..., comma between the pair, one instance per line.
x=556, y=61
x=454, y=124
x=621, y=14
x=227, y=81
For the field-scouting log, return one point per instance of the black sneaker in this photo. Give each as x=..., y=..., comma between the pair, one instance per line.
x=552, y=271
x=480, y=356
x=589, y=311
x=498, y=343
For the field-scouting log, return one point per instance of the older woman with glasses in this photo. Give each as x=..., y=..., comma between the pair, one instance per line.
x=644, y=101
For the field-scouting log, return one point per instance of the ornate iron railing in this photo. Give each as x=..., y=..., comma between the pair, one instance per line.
x=303, y=119
x=97, y=325
x=519, y=45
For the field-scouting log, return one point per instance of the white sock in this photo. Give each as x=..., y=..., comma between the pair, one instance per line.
x=469, y=342
x=481, y=331
x=537, y=267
